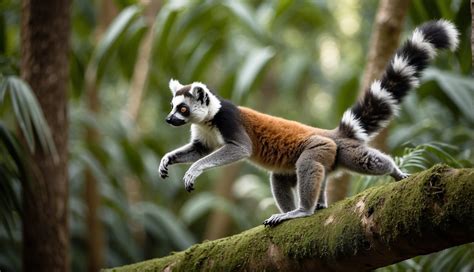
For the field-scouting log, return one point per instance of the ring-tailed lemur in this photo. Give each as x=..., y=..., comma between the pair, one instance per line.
x=300, y=156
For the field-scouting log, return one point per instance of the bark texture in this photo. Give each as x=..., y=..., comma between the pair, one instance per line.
x=429, y=211
x=45, y=33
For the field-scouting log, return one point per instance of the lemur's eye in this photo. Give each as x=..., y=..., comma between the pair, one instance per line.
x=183, y=109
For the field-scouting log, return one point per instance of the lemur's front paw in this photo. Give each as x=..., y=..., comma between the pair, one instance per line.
x=189, y=178
x=163, y=169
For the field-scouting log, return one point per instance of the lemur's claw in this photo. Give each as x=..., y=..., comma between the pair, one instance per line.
x=320, y=206
x=189, y=187
x=404, y=175
x=267, y=224
x=400, y=176
x=164, y=174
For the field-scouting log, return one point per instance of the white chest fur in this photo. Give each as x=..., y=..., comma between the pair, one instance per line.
x=209, y=136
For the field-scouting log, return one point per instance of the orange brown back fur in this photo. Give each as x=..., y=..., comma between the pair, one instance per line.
x=276, y=142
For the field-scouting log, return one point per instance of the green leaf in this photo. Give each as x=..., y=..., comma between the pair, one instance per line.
x=21, y=111
x=14, y=150
x=11, y=172
x=459, y=89
x=29, y=115
x=203, y=203
x=200, y=60
x=246, y=16
x=113, y=37
x=172, y=227
x=164, y=22
x=252, y=67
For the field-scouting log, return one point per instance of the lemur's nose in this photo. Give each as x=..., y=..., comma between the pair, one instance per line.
x=168, y=119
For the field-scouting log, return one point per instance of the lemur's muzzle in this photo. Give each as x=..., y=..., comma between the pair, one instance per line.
x=174, y=121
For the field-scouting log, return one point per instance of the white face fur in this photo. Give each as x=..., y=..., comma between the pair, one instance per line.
x=192, y=103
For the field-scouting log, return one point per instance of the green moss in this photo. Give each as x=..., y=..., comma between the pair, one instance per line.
x=429, y=200
x=312, y=237
x=459, y=192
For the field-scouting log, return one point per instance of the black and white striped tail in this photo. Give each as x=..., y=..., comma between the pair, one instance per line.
x=382, y=99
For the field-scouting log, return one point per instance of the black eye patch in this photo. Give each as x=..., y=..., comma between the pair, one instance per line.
x=183, y=109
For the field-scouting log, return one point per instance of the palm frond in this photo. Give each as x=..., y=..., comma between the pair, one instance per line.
x=28, y=114
x=11, y=173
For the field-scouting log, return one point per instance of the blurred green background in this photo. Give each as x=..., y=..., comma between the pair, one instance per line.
x=302, y=60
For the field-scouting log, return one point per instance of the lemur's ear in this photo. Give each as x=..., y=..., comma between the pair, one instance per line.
x=199, y=93
x=175, y=86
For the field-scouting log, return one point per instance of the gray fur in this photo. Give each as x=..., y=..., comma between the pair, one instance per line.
x=226, y=154
x=185, y=154
x=322, y=200
x=311, y=174
x=282, y=190
x=362, y=159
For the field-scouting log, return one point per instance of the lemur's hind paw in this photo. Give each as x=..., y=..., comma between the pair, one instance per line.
x=401, y=175
x=280, y=217
x=274, y=220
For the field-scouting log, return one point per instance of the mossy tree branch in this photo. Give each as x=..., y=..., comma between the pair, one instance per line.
x=427, y=212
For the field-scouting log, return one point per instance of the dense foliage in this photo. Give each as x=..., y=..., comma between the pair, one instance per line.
x=301, y=60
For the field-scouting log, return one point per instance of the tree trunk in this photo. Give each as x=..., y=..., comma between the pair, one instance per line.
x=384, y=41
x=45, y=33
x=427, y=212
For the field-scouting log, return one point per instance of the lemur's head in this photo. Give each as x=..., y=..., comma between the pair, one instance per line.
x=192, y=103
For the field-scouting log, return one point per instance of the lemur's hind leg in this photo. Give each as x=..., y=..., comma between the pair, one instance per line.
x=282, y=190
x=311, y=168
x=366, y=160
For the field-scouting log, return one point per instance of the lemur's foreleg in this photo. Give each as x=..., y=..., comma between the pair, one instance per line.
x=185, y=154
x=282, y=190
x=228, y=153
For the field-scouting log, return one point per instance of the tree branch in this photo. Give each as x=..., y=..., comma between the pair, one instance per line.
x=429, y=211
